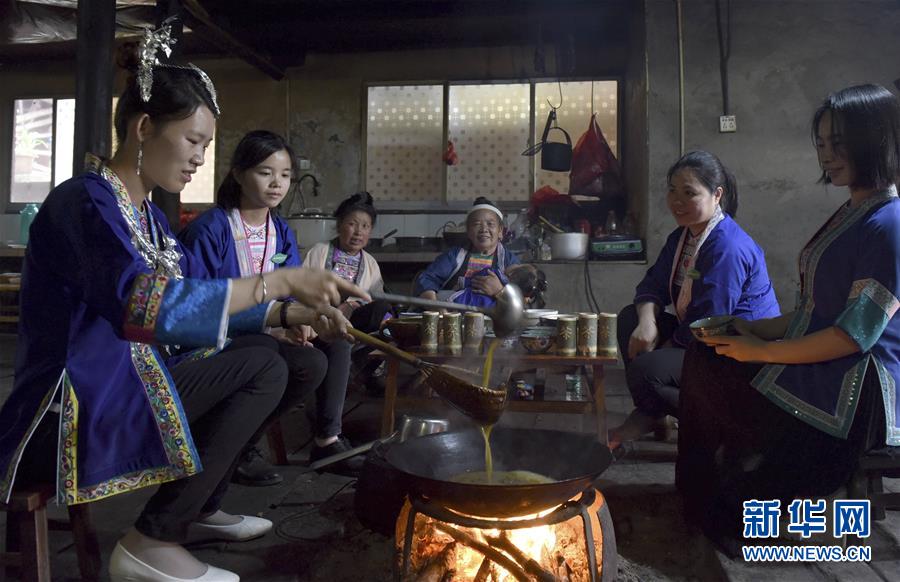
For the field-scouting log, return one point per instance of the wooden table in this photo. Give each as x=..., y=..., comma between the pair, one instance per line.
x=516, y=360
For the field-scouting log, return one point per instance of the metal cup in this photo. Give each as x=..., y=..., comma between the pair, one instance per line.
x=428, y=332
x=566, y=333
x=473, y=332
x=586, y=343
x=451, y=326
x=606, y=334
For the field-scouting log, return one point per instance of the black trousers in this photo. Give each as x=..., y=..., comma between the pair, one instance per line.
x=227, y=399
x=324, y=368
x=369, y=317
x=654, y=377
x=734, y=444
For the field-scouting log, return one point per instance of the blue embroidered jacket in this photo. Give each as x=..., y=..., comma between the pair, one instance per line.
x=92, y=313
x=439, y=274
x=729, y=278
x=209, y=238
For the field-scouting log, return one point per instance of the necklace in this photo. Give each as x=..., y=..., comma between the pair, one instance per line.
x=157, y=248
x=249, y=230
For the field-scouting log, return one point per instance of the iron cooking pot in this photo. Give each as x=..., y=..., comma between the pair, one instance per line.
x=573, y=460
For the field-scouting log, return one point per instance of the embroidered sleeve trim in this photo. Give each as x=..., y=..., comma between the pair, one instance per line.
x=142, y=311
x=877, y=292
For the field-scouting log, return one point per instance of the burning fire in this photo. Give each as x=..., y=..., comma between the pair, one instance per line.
x=536, y=543
x=443, y=551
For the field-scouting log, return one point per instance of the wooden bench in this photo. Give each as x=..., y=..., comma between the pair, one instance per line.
x=27, y=550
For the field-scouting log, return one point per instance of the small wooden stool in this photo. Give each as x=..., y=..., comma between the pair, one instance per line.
x=27, y=548
x=866, y=482
x=275, y=438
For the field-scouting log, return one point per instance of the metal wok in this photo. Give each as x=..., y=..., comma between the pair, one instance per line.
x=428, y=463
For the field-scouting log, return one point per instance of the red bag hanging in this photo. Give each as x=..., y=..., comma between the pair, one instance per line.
x=595, y=169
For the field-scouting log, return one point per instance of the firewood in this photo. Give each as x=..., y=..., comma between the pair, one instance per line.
x=531, y=567
x=483, y=571
x=499, y=557
x=437, y=567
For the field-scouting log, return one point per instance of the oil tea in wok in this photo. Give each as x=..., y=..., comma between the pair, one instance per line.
x=501, y=478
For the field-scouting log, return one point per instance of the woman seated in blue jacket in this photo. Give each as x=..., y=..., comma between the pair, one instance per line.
x=708, y=266
x=241, y=236
x=478, y=269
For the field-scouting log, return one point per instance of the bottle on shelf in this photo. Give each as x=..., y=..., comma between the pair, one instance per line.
x=612, y=225
x=26, y=217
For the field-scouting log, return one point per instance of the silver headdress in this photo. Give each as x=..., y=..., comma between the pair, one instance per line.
x=153, y=42
x=210, y=88
x=161, y=40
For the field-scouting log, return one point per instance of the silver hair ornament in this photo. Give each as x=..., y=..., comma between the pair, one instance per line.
x=153, y=42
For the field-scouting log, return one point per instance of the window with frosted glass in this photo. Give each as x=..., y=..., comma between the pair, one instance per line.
x=404, y=143
x=489, y=127
x=574, y=116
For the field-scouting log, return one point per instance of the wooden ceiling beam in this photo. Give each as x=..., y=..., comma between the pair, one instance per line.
x=206, y=28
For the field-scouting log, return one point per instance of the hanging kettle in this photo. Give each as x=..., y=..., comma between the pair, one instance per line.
x=555, y=156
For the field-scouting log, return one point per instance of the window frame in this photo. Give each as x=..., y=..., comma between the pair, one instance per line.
x=6, y=170
x=443, y=205
x=7, y=151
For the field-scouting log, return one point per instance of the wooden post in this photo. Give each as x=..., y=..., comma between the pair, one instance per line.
x=95, y=44
x=170, y=202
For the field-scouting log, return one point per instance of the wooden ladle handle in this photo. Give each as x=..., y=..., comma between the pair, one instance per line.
x=386, y=347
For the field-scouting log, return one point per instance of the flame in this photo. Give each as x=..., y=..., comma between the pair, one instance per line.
x=535, y=542
x=557, y=548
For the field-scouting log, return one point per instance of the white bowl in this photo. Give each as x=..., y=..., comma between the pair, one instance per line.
x=569, y=245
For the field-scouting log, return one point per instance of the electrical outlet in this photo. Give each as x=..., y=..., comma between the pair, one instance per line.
x=727, y=124
x=304, y=164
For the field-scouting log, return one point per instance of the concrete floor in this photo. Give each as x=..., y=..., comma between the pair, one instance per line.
x=318, y=538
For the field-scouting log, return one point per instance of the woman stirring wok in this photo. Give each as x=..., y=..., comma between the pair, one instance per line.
x=98, y=407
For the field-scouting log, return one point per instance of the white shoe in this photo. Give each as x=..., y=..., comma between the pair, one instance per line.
x=248, y=528
x=124, y=567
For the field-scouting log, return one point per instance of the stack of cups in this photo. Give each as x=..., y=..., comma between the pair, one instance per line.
x=565, y=335
x=606, y=334
x=451, y=328
x=473, y=333
x=428, y=332
x=587, y=334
